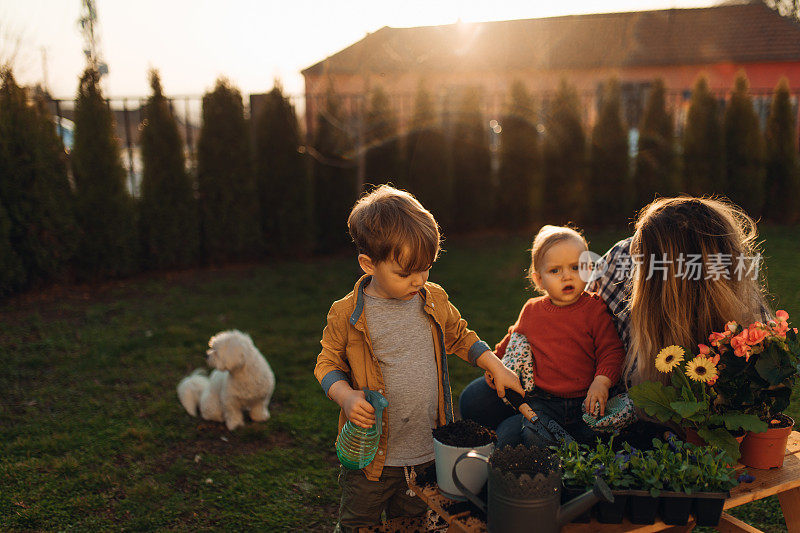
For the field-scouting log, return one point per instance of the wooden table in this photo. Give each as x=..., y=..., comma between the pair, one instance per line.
x=783, y=482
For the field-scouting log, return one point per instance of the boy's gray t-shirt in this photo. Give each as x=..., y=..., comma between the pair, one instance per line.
x=401, y=337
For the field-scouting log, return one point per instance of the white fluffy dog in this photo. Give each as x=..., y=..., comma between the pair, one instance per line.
x=242, y=381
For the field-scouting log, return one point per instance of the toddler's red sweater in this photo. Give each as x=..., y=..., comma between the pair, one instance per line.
x=570, y=344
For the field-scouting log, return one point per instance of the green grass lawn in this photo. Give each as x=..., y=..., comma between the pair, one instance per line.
x=92, y=436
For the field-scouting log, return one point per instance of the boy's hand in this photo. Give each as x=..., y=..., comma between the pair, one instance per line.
x=498, y=375
x=358, y=410
x=598, y=393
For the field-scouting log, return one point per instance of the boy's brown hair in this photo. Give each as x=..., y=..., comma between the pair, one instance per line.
x=390, y=224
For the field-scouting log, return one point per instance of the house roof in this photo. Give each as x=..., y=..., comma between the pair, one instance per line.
x=738, y=33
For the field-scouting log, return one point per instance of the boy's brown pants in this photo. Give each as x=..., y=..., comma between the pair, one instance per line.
x=363, y=500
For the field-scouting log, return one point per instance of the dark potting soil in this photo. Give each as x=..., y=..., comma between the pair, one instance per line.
x=524, y=459
x=780, y=421
x=464, y=434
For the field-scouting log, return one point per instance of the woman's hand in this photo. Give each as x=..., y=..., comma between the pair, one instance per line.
x=598, y=393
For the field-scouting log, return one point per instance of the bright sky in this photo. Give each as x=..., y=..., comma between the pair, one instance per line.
x=251, y=42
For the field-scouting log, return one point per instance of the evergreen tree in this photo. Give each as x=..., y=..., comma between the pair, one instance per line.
x=744, y=150
x=702, y=143
x=469, y=146
x=783, y=179
x=381, y=141
x=519, y=189
x=656, y=172
x=283, y=178
x=105, y=210
x=334, y=175
x=168, y=214
x=229, y=228
x=609, y=185
x=429, y=172
x=564, y=159
x=34, y=187
x=12, y=274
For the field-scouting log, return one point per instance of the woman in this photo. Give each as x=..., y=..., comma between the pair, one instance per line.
x=690, y=267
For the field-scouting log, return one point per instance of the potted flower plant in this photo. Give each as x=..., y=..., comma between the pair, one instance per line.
x=692, y=399
x=758, y=366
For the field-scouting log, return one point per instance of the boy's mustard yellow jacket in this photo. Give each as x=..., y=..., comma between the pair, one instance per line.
x=347, y=353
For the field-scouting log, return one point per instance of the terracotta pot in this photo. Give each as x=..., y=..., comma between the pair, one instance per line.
x=767, y=449
x=694, y=438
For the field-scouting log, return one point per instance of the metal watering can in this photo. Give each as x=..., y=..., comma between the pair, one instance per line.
x=524, y=491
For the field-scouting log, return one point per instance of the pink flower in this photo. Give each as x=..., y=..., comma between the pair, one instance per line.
x=754, y=336
x=705, y=350
x=782, y=316
x=757, y=325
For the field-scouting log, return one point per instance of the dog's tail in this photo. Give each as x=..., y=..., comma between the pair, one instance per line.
x=190, y=389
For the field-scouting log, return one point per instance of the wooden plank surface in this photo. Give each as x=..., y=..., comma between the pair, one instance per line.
x=767, y=483
x=730, y=524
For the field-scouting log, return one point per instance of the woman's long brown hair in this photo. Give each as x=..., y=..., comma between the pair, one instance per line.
x=668, y=309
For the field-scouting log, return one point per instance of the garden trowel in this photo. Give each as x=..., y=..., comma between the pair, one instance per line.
x=547, y=429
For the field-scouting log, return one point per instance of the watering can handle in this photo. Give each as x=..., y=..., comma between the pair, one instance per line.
x=472, y=454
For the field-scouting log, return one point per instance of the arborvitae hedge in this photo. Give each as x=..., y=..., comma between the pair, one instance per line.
x=428, y=163
x=782, y=202
x=564, y=159
x=105, y=210
x=168, y=214
x=283, y=178
x=656, y=172
x=34, y=187
x=381, y=141
x=228, y=201
x=334, y=175
x=519, y=189
x=744, y=150
x=610, y=198
x=12, y=274
x=472, y=180
x=702, y=144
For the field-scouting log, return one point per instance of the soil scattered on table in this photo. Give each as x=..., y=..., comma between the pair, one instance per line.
x=464, y=434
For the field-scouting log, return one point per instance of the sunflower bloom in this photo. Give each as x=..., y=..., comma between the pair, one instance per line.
x=669, y=358
x=701, y=369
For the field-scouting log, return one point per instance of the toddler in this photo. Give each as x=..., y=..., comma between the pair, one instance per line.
x=392, y=334
x=565, y=344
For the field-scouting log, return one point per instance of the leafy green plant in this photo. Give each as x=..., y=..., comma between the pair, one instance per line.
x=581, y=464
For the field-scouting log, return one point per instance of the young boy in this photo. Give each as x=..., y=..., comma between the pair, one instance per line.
x=392, y=334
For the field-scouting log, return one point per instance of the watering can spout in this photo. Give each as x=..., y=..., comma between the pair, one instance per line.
x=584, y=502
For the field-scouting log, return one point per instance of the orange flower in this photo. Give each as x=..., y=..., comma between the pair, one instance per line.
x=705, y=350
x=782, y=316
x=739, y=345
x=716, y=338
x=731, y=327
x=754, y=336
